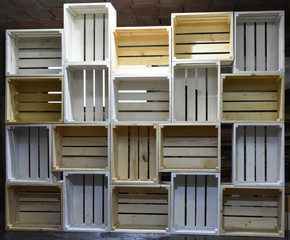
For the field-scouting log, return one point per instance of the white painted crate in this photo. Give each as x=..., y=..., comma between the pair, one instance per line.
x=195, y=204
x=188, y=147
x=139, y=99
x=28, y=157
x=252, y=211
x=87, y=29
x=86, y=201
x=196, y=92
x=144, y=50
x=87, y=94
x=259, y=41
x=140, y=209
x=258, y=154
x=134, y=154
x=34, y=52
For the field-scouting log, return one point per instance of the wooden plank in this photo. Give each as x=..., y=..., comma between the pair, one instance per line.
x=191, y=87
x=39, y=207
x=143, y=106
x=212, y=201
x=143, y=51
x=250, y=154
x=44, y=166
x=242, y=224
x=143, y=220
x=240, y=46
x=248, y=84
x=200, y=201
x=84, y=162
x=77, y=200
x=190, y=163
x=272, y=47
x=189, y=141
x=208, y=56
x=260, y=153
x=250, y=96
x=179, y=201
x=143, y=61
x=250, y=106
x=40, y=42
x=202, y=38
x=190, y=152
x=203, y=48
x=212, y=88
x=250, y=211
x=190, y=131
x=35, y=117
x=151, y=96
x=37, y=97
x=122, y=160
x=37, y=71
x=39, y=218
x=89, y=96
x=143, y=116
x=240, y=154
x=77, y=97
x=99, y=95
x=89, y=37
x=38, y=85
x=37, y=63
x=78, y=38
x=143, y=153
x=201, y=97
x=273, y=171
x=34, y=152
x=250, y=47
x=141, y=40
x=88, y=200
x=40, y=53
x=179, y=94
x=142, y=208
x=99, y=36
x=144, y=84
x=250, y=203
x=152, y=154
x=247, y=116
x=22, y=153
x=98, y=197
x=85, y=151
x=191, y=206
x=204, y=27
x=260, y=45
x=85, y=141
x=134, y=139
x=84, y=131
x=39, y=107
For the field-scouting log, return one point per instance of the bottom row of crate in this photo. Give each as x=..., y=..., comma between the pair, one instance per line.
x=194, y=203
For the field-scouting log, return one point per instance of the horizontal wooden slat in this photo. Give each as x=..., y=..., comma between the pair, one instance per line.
x=250, y=106
x=190, y=152
x=40, y=53
x=190, y=141
x=39, y=85
x=38, y=71
x=248, y=116
x=190, y=163
x=209, y=27
x=202, y=38
x=83, y=131
x=143, y=190
x=141, y=40
x=164, y=200
x=190, y=131
x=161, y=85
x=250, y=84
x=143, y=51
x=84, y=151
x=40, y=42
x=38, y=206
x=247, y=223
x=84, y=141
x=208, y=56
x=203, y=48
x=162, y=96
x=143, y=61
x=249, y=191
x=39, y=107
x=40, y=97
x=143, y=220
x=250, y=203
x=84, y=162
x=249, y=96
x=147, y=106
x=39, y=117
x=250, y=211
x=143, y=116
x=36, y=63
x=39, y=197
x=142, y=208
x=39, y=218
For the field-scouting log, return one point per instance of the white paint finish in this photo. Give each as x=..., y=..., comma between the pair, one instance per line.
x=212, y=201
x=250, y=154
x=77, y=199
x=191, y=198
x=179, y=95
x=272, y=154
x=88, y=191
x=260, y=47
x=240, y=47
x=200, y=201
x=34, y=152
x=260, y=154
x=250, y=46
x=201, y=97
x=212, y=91
x=179, y=203
x=272, y=47
x=191, y=94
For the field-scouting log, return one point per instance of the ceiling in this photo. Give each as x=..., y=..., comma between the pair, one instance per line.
x=21, y=14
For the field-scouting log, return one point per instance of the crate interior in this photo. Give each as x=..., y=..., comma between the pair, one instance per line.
x=87, y=32
x=34, y=206
x=143, y=47
x=246, y=210
x=140, y=208
x=34, y=52
x=135, y=158
x=189, y=148
x=34, y=100
x=202, y=36
x=195, y=93
x=259, y=43
x=141, y=99
x=87, y=97
x=86, y=201
x=253, y=98
x=28, y=153
x=195, y=203
x=80, y=147
x=258, y=155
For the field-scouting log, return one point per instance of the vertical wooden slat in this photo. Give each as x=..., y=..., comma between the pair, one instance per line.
x=260, y=153
x=105, y=200
x=190, y=94
x=191, y=207
x=212, y=94
x=240, y=46
x=43, y=152
x=106, y=39
x=99, y=95
x=212, y=201
x=78, y=34
x=179, y=204
x=272, y=154
x=22, y=146
x=179, y=94
x=143, y=153
x=98, y=204
x=133, y=153
x=122, y=158
x=152, y=153
x=250, y=154
x=99, y=37
x=240, y=154
x=77, y=199
x=201, y=101
x=33, y=152
x=272, y=47
x=260, y=43
x=89, y=37
x=89, y=96
x=88, y=198
x=200, y=201
x=250, y=47
x=77, y=97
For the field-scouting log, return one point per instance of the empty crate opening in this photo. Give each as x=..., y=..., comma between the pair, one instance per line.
x=257, y=42
x=258, y=154
x=189, y=148
x=142, y=99
x=87, y=33
x=202, y=36
x=77, y=147
x=29, y=153
x=195, y=94
x=87, y=200
x=143, y=47
x=34, y=100
x=88, y=95
x=35, y=207
x=142, y=208
x=195, y=202
x=251, y=210
x=253, y=98
x=135, y=153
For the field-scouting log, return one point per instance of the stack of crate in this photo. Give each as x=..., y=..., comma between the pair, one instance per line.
x=130, y=140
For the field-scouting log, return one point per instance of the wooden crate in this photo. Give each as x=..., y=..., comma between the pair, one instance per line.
x=189, y=148
x=141, y=49
x=86, y=198
x=87, y=94
x=195, y=207
x=252, y=211
x=134, y=154
x=141, y=99
x=202, y=36
x=34, y=207
x=34, y=52
x=140, y=209
x=34, y=100
x=28, y=153
x=80, y=147
x=259, y=41
x=196, y=91
x=252, y=98
x=87, y=32
x=258, y=154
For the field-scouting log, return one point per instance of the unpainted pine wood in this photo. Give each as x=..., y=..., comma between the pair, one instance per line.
x=89, y=37
x=84, y=162
x=203, y=48
x=179, y=94
x=141, y=40
x=250, y=116
x=134, y=133
x=240, y=46
x=189, y=141
x=38, y=218
x=142, y=208
x=190, y=131
x=84, y=151
x=179, y=201
x=189, y=152
x=143, y=221
x=39, y=207
x=250, y=96
x=250, y=154
x=162, y=60
x=273, y=171
x=209, y=56
x=84, y=131
x=121, y=161
x=250, y=211
x=77, y=199
x=143, y=51
x=260, y=153
x=203, y=27
x=212, y=201
x=34, y=152
x=143, y=153
x=37, y=97
x=88, y=201
x=249, y=84
x=39, y=107
x=250, y=106
x=37, y=85
x=85, y=141
x=200, y=201
x=206, y=38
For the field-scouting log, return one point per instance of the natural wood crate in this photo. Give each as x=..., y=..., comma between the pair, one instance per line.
x=34, y=207
x=252, y=211
x=258, y=154
x=28, y=153
x=259, y=41
x=252, y=97
x=195, y=207
x=202, y=36
x=189, y=148
x=141, y=49
x=134, y=154
x=87, y=31
x=87, y=94
x=34, y=52
x=86, y=199
x=140, y=209
x=141, y=99
x=34, y=100
x=80, y=147
x=196, y=92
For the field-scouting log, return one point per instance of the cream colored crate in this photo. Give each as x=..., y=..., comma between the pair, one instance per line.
x=134, y=154
x=34, y=52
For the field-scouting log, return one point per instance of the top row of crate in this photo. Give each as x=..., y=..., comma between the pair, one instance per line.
x=251, y=41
